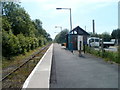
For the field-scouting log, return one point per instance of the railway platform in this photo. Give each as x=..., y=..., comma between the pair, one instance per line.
x=40, y=76
x=72, y=71
x=59, y=68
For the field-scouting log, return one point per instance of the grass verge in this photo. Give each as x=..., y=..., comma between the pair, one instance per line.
x=106, y=55
x=17, y=79
x=16, y=60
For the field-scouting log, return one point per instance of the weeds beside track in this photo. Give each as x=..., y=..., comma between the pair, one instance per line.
x=18, y=75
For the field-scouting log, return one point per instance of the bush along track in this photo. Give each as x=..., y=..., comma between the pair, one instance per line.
x=20, y=35
x=17, y=76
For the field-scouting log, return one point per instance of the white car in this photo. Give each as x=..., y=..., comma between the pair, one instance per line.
x=93, y=42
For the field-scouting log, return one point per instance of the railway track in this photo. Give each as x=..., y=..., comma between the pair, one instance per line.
x=33, y=59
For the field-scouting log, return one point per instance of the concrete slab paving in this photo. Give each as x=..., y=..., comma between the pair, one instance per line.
x=40, y=76
x=71, y=71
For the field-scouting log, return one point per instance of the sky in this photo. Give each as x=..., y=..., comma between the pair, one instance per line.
x=104, y=12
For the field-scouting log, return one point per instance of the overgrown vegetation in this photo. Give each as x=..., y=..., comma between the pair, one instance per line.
x=107, y=55
x=61, y=37
x=16, y=60
x=20, y=34
x=17, y=79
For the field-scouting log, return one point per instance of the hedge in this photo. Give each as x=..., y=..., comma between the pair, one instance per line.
x=14, y=45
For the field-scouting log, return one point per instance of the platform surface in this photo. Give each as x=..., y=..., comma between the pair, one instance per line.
x=40, y=76
x=71, y=71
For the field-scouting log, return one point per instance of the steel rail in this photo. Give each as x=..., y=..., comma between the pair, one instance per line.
x=26, y=61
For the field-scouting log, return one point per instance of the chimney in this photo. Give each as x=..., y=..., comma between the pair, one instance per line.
x=93, y=27
x=119, y=14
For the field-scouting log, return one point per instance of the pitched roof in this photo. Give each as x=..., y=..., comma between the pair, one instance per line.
x=80, y=31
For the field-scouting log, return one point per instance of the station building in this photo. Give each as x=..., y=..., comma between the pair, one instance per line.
x=75, y=38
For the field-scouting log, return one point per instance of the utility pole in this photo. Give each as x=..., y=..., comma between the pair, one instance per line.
x=118, y=21
x=119, y=14
x=102, y=47
x=70, y=45
x=93, y=27
x=85, y=28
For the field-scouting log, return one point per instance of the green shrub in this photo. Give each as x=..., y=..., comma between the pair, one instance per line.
x=44, y=41
x=13, y=45
x=23, y=43
x=10, y=44
x=41, y=41
x=107, y=55
x=20, y=33
x=118, y=58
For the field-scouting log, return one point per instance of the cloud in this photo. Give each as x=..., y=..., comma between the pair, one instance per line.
x=74, y=4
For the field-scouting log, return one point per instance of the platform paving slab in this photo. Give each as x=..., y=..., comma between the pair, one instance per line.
x=71, y=71
x=40, y=76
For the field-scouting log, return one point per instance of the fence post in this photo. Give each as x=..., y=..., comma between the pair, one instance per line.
x=84, y=48
x=102, y=47
x=80, y=49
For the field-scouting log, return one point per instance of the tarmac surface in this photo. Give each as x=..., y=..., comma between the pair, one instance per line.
x=71, y=71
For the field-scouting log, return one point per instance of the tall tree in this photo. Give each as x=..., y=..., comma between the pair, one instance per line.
x=20, y=34
x=61, y=37
x=116, y=34
x=19, y=19
x=6, y=25
x=106, y=36
x=38, y=26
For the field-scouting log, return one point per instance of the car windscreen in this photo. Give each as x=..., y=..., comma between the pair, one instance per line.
x=96, y=40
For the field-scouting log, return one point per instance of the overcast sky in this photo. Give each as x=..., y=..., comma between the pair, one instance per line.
x=104, y=12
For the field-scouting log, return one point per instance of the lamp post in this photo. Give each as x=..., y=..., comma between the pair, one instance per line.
x=70, y=16
x=70, y=25
x=59, y=27
x=56, y=32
